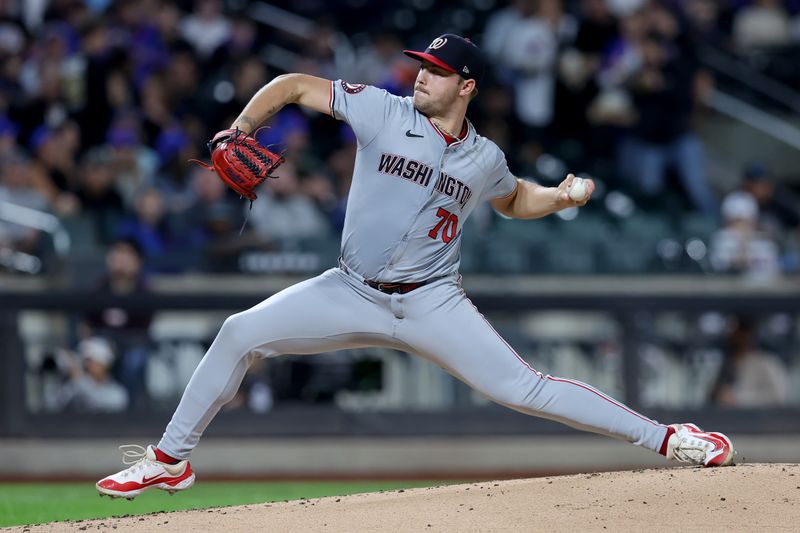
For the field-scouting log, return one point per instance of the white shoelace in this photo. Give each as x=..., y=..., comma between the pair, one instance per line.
x=132, y=453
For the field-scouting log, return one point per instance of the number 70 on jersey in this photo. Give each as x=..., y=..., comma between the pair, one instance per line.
x=448, y=225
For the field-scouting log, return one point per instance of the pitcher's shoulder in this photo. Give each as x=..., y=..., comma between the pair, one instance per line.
x=485, y=143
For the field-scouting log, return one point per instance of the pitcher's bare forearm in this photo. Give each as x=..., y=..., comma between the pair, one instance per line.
x=529, y=200
x=302, y=89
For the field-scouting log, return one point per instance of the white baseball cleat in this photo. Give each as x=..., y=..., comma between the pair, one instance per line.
x=690, y=444
x=145, y=472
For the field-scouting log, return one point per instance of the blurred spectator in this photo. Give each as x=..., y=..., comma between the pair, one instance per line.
x=289, y=132
x=663, y=94
x=98, y=59
x=383, y=64
x=210, y=226
x=622, y=57
x=532, y=55
x=153, y=80
x=182, y=81
x=128, y=328
x=89, y=386
x=244, y=43
x=56, y=152
x=764, y=23
x=8, y=137
x=168, y=20
x=44, y=100
x=340, y=164
x=739, y=247
x=578, y=67
x=17, y=186
x=207, y=28
x=284, y=213
x=97, y=195
x=597, y=28
x=778, y=208
x=175, y=150
x=123, y=276
x=156, y=111
x=704, y=17
x=624, y=8
x=134, y=165
x=501, y=24
x=750, y=376
x=498, y=121
x=148, y=226
x=248, y=77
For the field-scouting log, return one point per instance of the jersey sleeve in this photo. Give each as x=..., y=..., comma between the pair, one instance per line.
x=501, y=182
x=364, y=107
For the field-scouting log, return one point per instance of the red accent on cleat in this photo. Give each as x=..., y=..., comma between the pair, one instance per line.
x=164, y=458
x=663, y=449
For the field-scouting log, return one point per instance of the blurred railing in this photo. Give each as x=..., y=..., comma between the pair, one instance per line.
x=740, y=72
x=766, y=123
x=17, y=261
x=548, y=319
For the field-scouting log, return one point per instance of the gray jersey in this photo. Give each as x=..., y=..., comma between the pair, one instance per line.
x=411, y=192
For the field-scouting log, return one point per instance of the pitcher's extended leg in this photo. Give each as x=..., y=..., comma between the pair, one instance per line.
x=318, y=315
x=447, y=329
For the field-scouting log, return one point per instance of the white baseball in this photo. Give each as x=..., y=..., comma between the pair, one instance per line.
x=578, y=189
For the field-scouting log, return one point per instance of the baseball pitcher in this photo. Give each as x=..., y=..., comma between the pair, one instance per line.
x=420, y=170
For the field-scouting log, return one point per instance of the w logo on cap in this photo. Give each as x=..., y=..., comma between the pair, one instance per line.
x=438, y=43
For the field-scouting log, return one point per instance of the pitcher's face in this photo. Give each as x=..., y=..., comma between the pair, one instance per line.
x=435, y=89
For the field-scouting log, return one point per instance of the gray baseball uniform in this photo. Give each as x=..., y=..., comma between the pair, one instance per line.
x=410, y=196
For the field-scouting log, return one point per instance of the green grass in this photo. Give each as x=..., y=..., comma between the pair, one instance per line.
x=35, y=503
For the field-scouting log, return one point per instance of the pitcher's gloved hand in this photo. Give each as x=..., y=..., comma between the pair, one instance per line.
x=241, y=162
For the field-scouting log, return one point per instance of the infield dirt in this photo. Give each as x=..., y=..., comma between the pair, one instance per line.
x=749, y=497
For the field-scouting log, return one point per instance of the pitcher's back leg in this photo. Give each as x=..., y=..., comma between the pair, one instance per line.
x=318, y=315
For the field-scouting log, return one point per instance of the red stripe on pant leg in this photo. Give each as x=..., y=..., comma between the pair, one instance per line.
x=606, y=398
x=521, y=360
x=551, y=378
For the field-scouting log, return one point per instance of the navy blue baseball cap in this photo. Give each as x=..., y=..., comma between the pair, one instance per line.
x=756, y=171
x=454, y=54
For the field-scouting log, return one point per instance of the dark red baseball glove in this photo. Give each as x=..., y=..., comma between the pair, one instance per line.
x=240, y=161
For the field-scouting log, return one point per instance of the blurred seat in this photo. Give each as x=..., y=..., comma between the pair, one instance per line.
x=627, y=257
x=565, y=257
x=176, y=260
x=588, y=228
x=505, y=255
x=84, y=270
x=530, y=231
x=697, y=226
x=82, y=233
x=645, y=227
x=472, y=252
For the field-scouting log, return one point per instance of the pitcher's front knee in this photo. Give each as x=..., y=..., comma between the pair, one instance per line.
x=241, y=335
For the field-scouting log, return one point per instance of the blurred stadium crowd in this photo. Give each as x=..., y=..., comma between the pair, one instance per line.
x=103, y=103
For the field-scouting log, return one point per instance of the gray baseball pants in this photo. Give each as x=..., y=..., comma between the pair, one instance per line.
x=437, y=321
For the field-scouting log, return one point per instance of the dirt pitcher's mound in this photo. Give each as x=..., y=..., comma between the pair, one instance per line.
x=749, y=497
